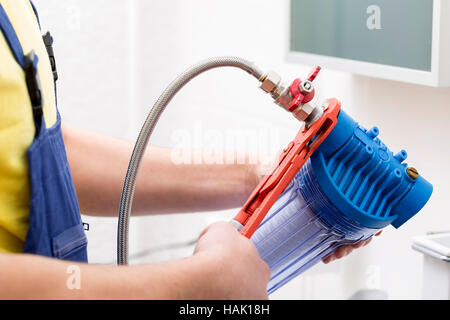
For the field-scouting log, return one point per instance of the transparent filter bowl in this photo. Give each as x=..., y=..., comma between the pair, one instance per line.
x=302, y=228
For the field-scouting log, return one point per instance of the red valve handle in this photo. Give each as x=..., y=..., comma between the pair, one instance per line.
x=301, y=96
x=313, y=74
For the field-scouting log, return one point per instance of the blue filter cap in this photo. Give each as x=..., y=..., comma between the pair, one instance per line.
x=364, y=179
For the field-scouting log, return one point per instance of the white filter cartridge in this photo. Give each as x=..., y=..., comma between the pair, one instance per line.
x=293, y=237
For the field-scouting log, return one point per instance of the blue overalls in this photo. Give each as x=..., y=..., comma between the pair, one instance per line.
x=55, y=227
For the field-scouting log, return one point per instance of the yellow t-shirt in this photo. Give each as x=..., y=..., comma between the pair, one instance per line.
x=16, y=123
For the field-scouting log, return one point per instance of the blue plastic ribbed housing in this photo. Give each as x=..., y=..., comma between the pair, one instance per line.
x=351, y=187
x=364, y=179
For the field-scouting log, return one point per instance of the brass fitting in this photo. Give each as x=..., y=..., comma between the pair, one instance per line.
x=270, y=81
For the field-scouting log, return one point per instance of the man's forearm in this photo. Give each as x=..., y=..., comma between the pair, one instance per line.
x=99, y=165
x=32, y=277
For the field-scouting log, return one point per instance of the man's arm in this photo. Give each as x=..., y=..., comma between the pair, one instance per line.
x=99, y=164
x=219, y=269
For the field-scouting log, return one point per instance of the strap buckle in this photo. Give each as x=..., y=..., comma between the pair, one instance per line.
x=33, y=83
x=48, y=41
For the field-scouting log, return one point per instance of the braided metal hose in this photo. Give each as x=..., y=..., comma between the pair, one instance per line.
x=129, y=185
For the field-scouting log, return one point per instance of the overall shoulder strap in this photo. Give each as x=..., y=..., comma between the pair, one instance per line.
x=11, y=38
x=35, y=12
x=27, y=62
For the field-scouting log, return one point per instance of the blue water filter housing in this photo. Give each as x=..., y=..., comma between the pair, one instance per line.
x=350, y=188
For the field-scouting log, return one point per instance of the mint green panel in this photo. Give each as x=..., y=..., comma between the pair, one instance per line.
x=390, y=32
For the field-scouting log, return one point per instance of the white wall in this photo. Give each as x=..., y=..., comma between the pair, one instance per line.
x=115, y=58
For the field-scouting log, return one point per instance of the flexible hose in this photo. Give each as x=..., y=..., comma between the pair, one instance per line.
x=129, y=185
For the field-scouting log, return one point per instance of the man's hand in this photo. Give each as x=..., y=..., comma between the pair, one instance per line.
x=237, y=270
x=346, y=250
